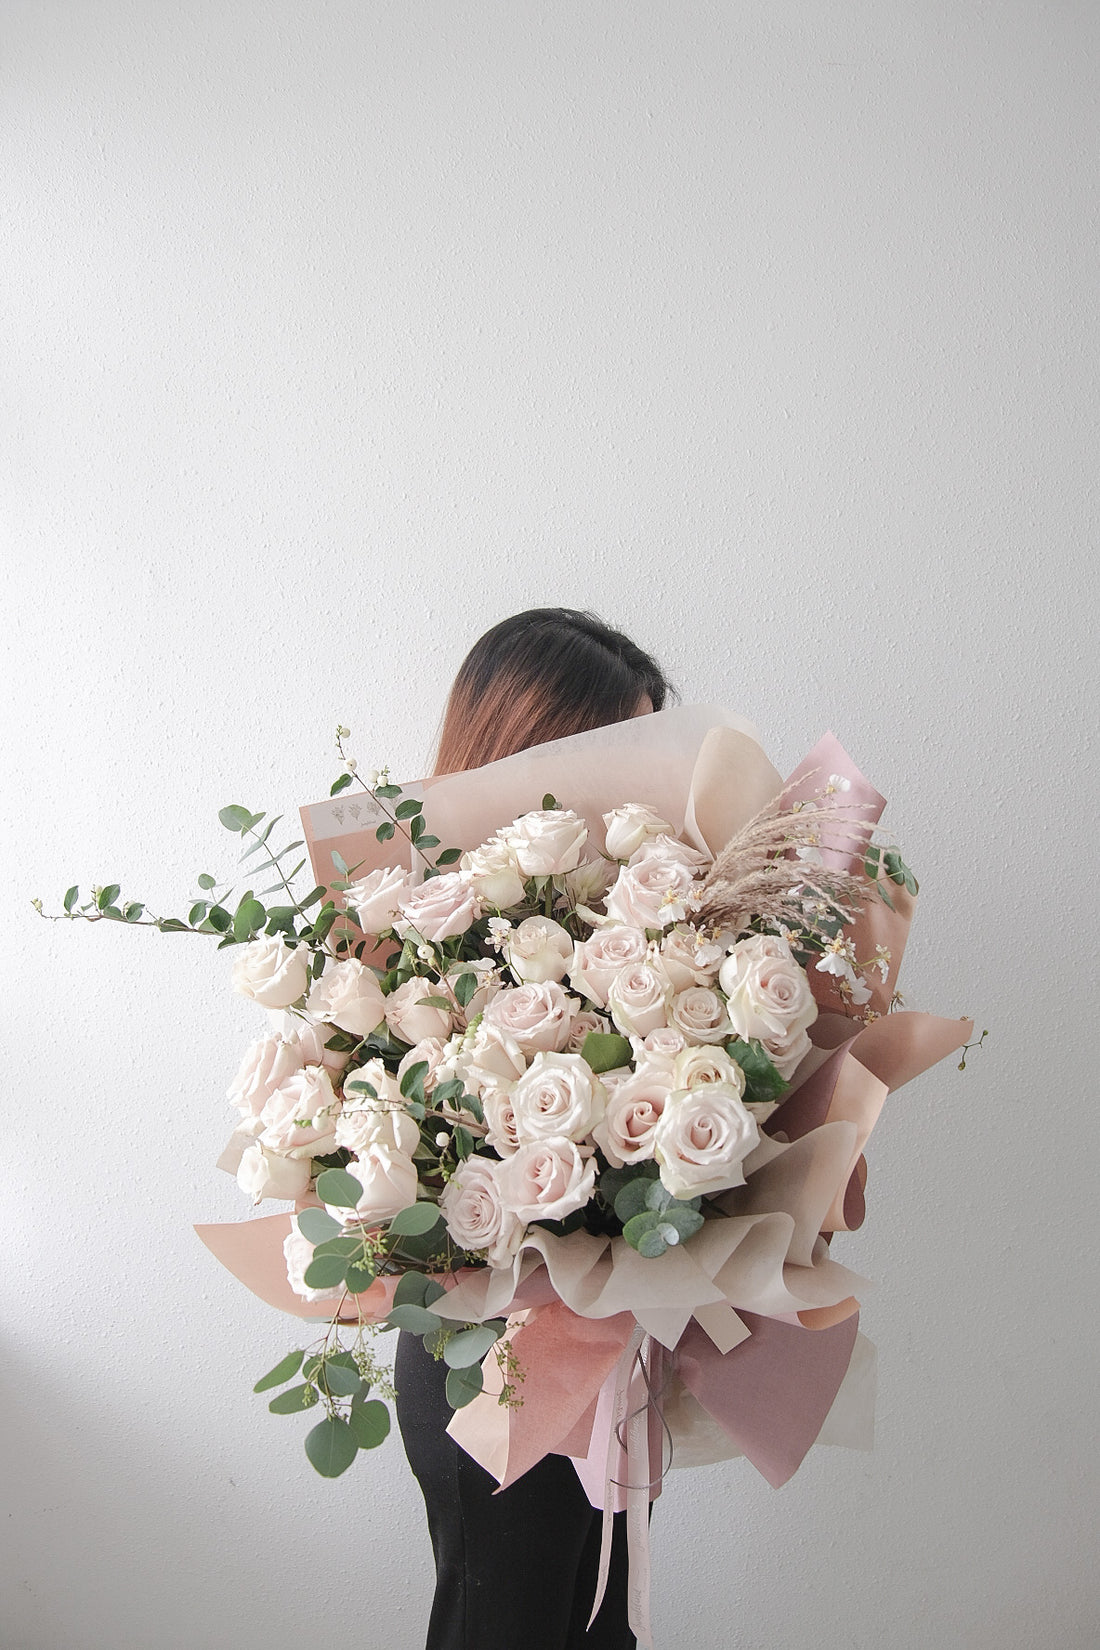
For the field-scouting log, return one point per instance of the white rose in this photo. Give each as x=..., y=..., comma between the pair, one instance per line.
x=558, y=1096
x=439, y=908
x=634, y=1109
x=500, y=1120
x=410, y=1017
x=311, y=1040
x=597, y=960
x=271, y=972
x=638, y=998
x=669, y=850
x=787, y=1051
x=361, y=1126
x=268, y=1062
x=298, y=1252
x=537, y=1016
x=629, y=827
x=546, y=842
x=689, y=959
x=696, y=1066
x=701, y=1140
x=580, y=1026
x=652, y=892
x=348, y=995
x=546, y=1180
x=475, y=1215
x=590, y=881
x=701, y=1015
x=300, y=1117
x=491, y=1058
x=376, y=899
x=266, y=1174
x=539, y=949
x=493, y=874
x=388, y=1179
x=658, y=1049
x=768, y=994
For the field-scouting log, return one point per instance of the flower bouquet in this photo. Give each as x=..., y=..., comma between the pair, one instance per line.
x=580, y=1097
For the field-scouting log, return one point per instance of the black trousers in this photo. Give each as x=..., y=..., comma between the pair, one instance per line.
x=516, y=1570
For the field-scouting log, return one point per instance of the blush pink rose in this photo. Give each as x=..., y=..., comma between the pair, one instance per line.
x=634, y=1109
x=546, y=842
x=702, y=1139
x=597, y=960
x=439, y=908
x=700, y=1014
x=376, y=899
x=413, y=1018
x=539, y=1017
x=638, y=999
x=558, y=1096
x=271, y=972
x=546, y=1180
x=348, y=995
x=475, y=1214
x=538, y=949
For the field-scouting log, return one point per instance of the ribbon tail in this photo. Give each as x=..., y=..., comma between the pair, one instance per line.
x=637, y=1524
x=623, y=1373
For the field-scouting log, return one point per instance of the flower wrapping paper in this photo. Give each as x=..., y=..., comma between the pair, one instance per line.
x=754, y=1324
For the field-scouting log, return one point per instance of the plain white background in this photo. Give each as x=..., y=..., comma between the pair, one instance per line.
x=331, y=334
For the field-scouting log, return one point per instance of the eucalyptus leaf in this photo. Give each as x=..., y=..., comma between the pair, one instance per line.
x=359, y=1277
x=317, y=1225
x=331, y=1446
x=340, y=1381
x=284, y=1370
x=325, y=1271
x=370, y=1423
x=71, y=897
x=416, y=1319
x=294, y=1399
x=416, y=1219
x=339, y=1189
x=235, y=818
x=206, y=881
x=469, y=1346
x=633, y=1198
x=463, y=1385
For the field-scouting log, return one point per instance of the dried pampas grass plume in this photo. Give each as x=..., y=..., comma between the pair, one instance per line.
x=754, y=877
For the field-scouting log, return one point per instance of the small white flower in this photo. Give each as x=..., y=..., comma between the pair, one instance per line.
x=837, y=782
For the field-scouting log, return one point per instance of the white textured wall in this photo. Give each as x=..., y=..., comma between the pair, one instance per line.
x=333, y=333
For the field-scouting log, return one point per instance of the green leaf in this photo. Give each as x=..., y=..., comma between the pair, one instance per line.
x=605, y=1051
x=885, y=897
x=198, y=912
x=206, y=881
x=387, y=792
x=370, y=1423
x=417, y=1218
x=311, y=899
x=248, y=918
x=762, y=1081
x=408, y=809
x=346, y=1245
x=172, y=925
x=359, y=1276
x=465, y=986
x=107, y=896
x=340, y=784
x=463, y=1385
x=339, y=1381
x=71, y=897
x=331, y=1446
x=634, y=1197
x=132, y=912
x=416, y=828
x=658, y=1196
x=412, y=1080
x=325, y=1271
x=339, y=1189
x=416, y=1319
x=449, y=856
x=411, y=1289
x=284, y=1370
x=469, y=1346
x=317, y=1225
x=219, y=919
x=550, y=803
x=384, y=831
x=463, y=1141
x=235, y=818
x=294, y=1399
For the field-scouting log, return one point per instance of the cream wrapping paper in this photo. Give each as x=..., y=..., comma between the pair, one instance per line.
x=760, y=1318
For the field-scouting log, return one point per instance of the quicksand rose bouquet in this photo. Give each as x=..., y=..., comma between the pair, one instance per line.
x=545, y=1074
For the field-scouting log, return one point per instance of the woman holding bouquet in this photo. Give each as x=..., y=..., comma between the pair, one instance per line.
x=517, y=1569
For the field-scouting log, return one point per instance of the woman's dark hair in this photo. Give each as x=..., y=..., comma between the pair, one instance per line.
x=542, y=675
